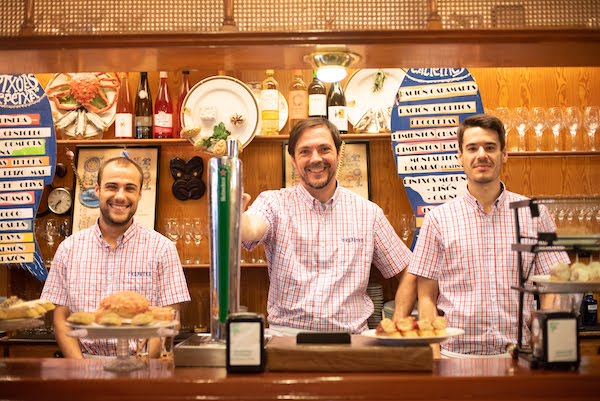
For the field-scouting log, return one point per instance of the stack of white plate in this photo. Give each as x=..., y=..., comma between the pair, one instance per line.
x=388, y=309
x=375, y=292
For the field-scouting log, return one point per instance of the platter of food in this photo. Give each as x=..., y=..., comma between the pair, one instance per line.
x=370, y=95
x=390, y=340
x=218, y=107
x=96, y=330
x=550, y=283
x=83, y=104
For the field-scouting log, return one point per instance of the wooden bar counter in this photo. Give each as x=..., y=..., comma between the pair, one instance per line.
x=473, y=379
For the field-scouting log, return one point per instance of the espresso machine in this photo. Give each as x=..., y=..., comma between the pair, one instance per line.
x=224, y=208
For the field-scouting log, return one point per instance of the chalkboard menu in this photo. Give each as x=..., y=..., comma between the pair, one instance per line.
x=27, y=160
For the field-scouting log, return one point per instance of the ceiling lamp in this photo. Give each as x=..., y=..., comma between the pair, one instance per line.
x=331, y=63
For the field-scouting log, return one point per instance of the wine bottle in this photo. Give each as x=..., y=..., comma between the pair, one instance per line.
x=124, y=115
x=317, y=98
x=269, y=104
x=143, y=109
x=184, y=88
x=163, y=109
x=336, y=107
x=298, y=99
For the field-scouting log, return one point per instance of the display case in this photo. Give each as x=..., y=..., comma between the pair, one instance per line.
x=578, y=233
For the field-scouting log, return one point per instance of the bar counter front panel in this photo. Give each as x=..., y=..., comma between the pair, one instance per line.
x=451, y=379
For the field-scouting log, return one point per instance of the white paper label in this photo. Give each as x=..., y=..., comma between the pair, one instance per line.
x=562, y=340
x=124, y=125
x=244, y=344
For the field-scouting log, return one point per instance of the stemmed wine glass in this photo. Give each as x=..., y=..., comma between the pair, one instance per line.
x=572, y=121
x=172, y=230
x=198, y=236
x=555, y=122
x=538, y=118
x=591, y=119
x=186, y=234
x=503, y=113
x=522, y=123
x=50, y=236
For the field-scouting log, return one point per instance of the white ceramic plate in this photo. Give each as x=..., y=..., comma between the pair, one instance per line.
x=227, y=96
x=450, y=332
x=359, y=91
x=91, y=131
x=95, y=330
x=576, y=286
x=19, y=324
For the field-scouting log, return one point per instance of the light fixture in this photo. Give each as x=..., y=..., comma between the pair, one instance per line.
x=331, y=63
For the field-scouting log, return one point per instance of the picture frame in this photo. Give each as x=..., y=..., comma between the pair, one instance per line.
x=85, y=204
x=353, y=169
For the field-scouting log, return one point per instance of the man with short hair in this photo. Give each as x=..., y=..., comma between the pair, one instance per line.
x=463, y=260
x=116, y=254
x=320, y=240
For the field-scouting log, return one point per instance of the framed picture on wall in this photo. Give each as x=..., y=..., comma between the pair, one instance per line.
x=86, y=205
x=353, y=169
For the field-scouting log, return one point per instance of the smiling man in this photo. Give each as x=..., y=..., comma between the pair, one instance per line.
x=116, y=254
x=463, y=257
x=320, y=241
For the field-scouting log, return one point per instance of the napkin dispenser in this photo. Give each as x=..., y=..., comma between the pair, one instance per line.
x=554, y=340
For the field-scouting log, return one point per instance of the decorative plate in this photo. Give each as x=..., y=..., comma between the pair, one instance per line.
x=366, y=93
x=83, y=104
x=450, y=332
x=575, y=286
x=219, y=99
x=283, y=111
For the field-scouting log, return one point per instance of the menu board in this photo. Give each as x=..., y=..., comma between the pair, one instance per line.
x=429, y=106
x=27, y=160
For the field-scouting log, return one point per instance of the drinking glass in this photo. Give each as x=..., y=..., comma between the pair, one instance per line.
x=186, y=234
x=503, y=113
x=522, y=124
x=50, y=236
x=591, y=119
x=197, y=236
x=406, y=227
x=572, y=122
x=555, y=122
x=538, y=118
x=172, y=230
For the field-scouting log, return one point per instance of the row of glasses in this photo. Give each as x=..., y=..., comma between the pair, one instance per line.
x=554, y=118
x=183, y=232
x=576, y=218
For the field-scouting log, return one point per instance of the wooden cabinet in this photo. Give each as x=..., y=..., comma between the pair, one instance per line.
x=512, y=68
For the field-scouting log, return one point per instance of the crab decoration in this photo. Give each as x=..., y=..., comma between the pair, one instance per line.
x=81, y=98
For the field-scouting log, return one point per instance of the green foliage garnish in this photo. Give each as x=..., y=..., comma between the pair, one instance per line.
x=219, y=132
x=379, y=80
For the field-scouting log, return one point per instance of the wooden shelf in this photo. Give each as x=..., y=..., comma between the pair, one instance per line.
x=207, y=266
x=231, y=51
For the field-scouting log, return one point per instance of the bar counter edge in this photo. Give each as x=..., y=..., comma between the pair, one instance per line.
x=451, y=379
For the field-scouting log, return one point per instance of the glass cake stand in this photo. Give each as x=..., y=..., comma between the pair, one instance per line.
x=124, y=362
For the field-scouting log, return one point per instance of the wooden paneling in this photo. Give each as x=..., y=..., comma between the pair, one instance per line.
x=533, y=175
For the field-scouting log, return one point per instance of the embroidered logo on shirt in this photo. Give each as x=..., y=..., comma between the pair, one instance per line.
x=139, y=274
x=353, y=240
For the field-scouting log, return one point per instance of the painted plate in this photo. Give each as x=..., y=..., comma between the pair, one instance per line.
x=95, y=330
x=73, y=118
x=575, y=286
x=450, y=332
x=217, y=99
x=360, y=97
x=283, y=111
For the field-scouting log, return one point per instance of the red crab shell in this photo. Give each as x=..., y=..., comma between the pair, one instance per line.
x=84, y=87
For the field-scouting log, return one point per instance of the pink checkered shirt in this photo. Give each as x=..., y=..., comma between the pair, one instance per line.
x=320, y=257
x=85, y=270
x=469, y=254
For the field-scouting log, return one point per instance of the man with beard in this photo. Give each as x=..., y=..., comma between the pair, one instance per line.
x=116, y=254
x=320, y=240
x=463, y=258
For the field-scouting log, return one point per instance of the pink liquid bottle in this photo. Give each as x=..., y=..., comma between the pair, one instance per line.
x=163, y=110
